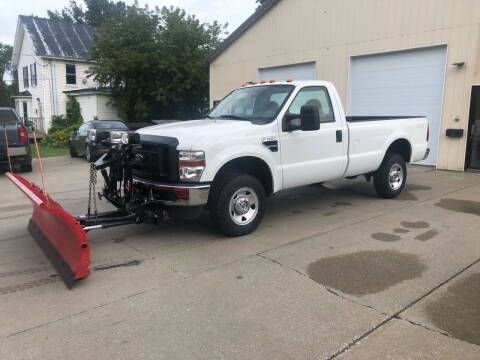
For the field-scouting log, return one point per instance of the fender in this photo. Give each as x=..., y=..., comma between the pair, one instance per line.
x=216, y=161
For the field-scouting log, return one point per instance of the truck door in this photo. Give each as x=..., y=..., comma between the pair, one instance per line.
x=315, y=155
x=79, y=139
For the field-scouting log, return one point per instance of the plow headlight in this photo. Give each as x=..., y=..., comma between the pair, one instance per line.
x=191, y=165
x=119, y=137
x=115, y=137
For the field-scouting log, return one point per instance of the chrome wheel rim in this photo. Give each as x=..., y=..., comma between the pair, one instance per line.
x=243, y=206
x=395, y=177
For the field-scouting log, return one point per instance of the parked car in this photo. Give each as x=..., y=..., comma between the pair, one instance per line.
x=18, y=144
x=82, y=144
x=262, y=139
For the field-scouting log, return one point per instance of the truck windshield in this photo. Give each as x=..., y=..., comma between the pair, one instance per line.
x=109, y=125
x=253, y=103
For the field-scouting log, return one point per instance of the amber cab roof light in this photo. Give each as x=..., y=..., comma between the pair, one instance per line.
x=262, y=82
x=289, y=80
x=271, y=81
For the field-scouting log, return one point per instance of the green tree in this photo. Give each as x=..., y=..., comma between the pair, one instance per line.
x=63, y=125
x=95, y=13
x=5, y=70
x=154, y=61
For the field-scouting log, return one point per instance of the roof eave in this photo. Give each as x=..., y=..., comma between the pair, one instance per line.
x=66, y=59
x=17, y=43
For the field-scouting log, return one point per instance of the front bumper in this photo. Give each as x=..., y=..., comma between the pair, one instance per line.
x=175, y=194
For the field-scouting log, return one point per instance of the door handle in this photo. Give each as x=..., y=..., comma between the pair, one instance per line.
x=339, y=135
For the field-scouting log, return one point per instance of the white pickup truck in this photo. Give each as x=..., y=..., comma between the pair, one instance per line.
x=264, y=138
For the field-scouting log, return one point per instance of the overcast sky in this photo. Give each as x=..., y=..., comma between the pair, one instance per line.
x=232, y=11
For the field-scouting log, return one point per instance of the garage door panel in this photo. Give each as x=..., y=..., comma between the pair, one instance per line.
x=303, y=71
x=403, y=83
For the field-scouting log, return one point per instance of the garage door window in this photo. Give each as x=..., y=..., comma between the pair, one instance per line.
x=316, y=97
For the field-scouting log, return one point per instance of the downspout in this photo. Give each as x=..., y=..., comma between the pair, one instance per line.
x=53, y=94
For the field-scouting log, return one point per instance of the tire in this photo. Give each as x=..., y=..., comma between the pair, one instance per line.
x=88, y=154
x=391, y=176
x=73, y=154
x=26, y=167
x=232, y=195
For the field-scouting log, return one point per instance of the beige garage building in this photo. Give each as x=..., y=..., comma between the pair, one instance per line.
x=386, y=57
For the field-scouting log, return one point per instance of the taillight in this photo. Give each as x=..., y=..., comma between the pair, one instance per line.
x=22, y=134
x=428, y=132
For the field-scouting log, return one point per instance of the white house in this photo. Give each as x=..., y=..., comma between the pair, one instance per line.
x=52, y=60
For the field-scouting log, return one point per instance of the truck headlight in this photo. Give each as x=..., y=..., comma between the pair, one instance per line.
x=191, y=165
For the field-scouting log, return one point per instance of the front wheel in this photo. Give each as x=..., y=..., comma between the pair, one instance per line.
x=237, y=204
x=88, y=154
x=391, y=177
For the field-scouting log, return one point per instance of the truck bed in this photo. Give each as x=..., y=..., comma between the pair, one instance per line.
x=369, y=137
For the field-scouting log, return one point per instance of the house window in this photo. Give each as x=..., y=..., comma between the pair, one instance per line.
x=33, y=74
x=25, y=76
x=71, y=74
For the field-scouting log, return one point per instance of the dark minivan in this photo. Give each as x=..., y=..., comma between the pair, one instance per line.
x=80, y=144
x=18, y=144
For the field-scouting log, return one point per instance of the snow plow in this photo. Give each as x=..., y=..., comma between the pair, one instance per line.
x=61, y=236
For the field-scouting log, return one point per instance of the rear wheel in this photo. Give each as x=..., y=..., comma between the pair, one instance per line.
x=237, y=204
x=391, y=177
x=27, y=167
x=73, y=153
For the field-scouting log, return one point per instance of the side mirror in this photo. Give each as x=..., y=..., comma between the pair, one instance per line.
x=291, y=122
x=28, y=123
x=309, y=118
x=204, y=112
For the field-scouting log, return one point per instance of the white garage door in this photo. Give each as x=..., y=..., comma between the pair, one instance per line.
x=304, y=71
x=403, y=83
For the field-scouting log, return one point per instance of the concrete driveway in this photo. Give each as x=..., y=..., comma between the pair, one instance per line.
x=332, y=273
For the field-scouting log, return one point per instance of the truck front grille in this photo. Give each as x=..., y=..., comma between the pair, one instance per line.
x=156, y=160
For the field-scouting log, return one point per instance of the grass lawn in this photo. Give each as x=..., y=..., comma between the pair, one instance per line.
x=48, y=151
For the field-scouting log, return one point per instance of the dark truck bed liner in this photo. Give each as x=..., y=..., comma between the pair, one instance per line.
x=379, y=118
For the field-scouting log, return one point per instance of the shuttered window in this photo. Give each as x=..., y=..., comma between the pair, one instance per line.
x=25, y=76
x=71, y=74
x=33, y=74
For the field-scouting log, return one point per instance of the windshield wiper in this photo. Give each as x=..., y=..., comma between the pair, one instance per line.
x=233, y=117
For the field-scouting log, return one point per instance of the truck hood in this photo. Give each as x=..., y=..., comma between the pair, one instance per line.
x=193, y=132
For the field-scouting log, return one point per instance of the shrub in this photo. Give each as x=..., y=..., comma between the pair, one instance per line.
x=64, y=125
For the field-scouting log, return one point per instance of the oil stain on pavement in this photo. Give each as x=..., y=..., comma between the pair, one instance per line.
x=463, y=206
x=415, y=224
x=366, y=272
x=406, y=195
x=385, y=237
x=430, y=234
x=457, y=311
